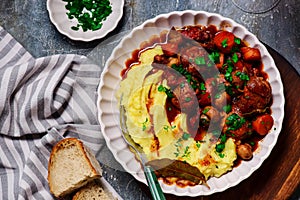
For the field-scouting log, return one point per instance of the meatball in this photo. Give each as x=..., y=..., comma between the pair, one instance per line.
x=189, y=58
x=160, y=59
x=260, y=87
x=196, y=33
x=186, y=97
x=257, y=95
x=237, y=126
x=237, y=81
x=173, y=77
x=174, y=36
x=222, y=100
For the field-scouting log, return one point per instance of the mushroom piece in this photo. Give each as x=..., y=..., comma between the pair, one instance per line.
x=245, y=151
x=204, y=120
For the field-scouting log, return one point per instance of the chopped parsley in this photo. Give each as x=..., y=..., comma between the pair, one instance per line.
x=188, y=99
x=243, y=76
x=186, y=152
x=178, y=145
x=203, y=88
x=166, y=127
x=177, y=150
x=90, y=14
x=227, y=74
x=189, y=77
x=217, y=96
x=224, y=43
x=222, y=155
x=235, y=58
x=220, y=147
x=227, y=108
x=228, y=89
x=223, y=138
x=168, y=92
x=185, y=136
x=214, y=57
x=198, y=144
x=229, y=69
x=144, y=124
x=200, y=61
x=205, y=110
x=237, y=40
x=182, y=85
x=234, y=122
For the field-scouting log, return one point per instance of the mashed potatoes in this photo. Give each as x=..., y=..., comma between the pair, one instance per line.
x=148, y=124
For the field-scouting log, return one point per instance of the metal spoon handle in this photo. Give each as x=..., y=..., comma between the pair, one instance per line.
x=153, y=184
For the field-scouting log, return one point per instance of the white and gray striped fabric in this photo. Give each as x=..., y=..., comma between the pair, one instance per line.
x=41, y=101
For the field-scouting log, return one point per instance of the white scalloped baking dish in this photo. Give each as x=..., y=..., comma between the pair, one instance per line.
x=110, y=79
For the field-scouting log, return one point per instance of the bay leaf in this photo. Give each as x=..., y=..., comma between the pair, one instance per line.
x=175, y=168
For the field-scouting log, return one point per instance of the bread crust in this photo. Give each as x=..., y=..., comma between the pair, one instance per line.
x=93, y=166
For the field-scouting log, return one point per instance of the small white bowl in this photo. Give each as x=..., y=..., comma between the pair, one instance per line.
x=57, y=13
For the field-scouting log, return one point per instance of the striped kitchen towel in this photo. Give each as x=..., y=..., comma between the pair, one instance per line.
x=41, y=101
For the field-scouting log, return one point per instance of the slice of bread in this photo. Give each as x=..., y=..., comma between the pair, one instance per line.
x=93, y=191
x=71, y=166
